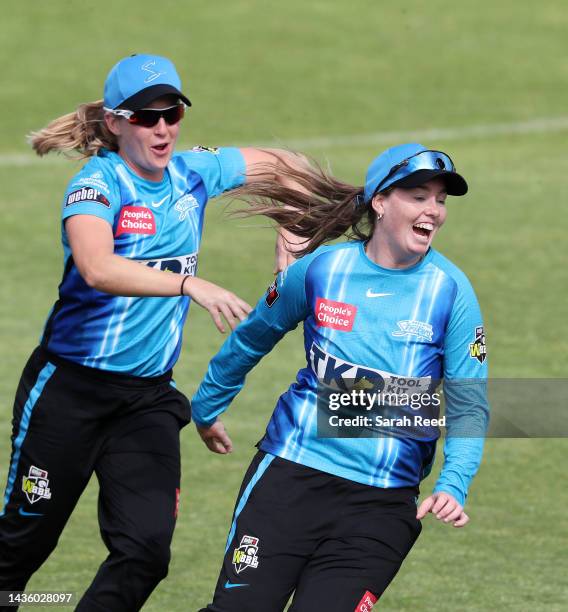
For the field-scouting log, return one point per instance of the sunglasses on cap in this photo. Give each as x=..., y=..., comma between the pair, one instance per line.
x=149, y=117
x=423, y=160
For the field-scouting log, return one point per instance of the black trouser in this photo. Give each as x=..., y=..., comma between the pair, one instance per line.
x=336, y=543
x=70, y=421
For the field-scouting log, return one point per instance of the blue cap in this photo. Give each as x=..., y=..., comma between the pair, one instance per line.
x=137, y=80
x=411, y=165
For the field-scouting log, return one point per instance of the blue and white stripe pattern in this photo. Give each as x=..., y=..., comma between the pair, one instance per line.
x=401, y=327
x=139, y=336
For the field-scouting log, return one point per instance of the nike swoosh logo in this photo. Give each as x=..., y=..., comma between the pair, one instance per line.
x=230, y=585
x=24, y=513
x=370, y=294
x=158, y=204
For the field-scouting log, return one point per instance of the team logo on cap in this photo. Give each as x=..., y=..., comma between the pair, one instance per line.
x=36, y=485
x=246, y=555
x=152, y=74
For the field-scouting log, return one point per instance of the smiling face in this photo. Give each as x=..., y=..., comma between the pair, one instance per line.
x=410, y=220
x=146, y=150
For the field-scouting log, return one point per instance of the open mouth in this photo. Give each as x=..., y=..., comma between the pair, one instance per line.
x=161, y=148
x=424, y=230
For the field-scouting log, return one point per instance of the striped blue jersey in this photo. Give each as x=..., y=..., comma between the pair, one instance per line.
x=414, y=323
x=157, y=224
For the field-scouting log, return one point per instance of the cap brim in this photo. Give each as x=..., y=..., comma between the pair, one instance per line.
x=455, y=183
x=142, y=98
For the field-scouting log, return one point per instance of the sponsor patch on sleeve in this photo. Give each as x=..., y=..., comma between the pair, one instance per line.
x=86, y=194
x=336, y=315
x=202, y=149
x=272, y=294
x=478, y=348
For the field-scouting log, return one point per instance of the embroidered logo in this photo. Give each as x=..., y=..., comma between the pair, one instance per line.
x=246, y=555
x=36, y=485
x=186, y=203
x=421, y=330
x=478, y=348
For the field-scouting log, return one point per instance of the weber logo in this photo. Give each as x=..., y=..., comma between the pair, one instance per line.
x=86, y=194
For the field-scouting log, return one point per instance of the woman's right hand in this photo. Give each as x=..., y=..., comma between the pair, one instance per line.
x=216, y=438
x=217, y=301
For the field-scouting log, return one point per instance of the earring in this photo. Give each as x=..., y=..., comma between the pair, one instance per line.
x=379, y=217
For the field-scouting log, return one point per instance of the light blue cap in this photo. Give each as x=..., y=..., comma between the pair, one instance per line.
x=137, y=80
x=410, y=165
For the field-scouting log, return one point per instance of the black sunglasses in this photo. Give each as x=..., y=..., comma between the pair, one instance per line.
x=148, y=117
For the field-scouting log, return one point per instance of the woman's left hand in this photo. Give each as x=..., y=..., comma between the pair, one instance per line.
x=445, y=507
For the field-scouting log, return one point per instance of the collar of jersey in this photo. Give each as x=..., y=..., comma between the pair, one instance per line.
x=395, y=271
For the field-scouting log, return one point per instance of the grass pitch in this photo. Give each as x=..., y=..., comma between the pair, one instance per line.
x=342, y=81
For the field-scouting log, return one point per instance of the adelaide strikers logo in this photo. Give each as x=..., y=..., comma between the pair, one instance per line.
x=478, y=348
x=36, y=485
x=246, y=555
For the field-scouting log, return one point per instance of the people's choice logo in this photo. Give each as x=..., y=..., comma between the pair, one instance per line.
x=135, y=220
x=336, y=315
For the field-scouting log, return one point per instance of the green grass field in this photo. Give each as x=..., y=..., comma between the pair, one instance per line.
x=486, y=81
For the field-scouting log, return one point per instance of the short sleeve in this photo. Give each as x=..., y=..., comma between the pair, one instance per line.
x=92, y=191
x=221, y=169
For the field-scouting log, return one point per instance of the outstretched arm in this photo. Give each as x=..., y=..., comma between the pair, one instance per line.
x=92, y=246
x=279, y=311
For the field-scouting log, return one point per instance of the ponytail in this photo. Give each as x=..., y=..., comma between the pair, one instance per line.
x=83, y=131
x=317, y=206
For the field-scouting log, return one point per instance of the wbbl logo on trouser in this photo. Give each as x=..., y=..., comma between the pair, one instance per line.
x=36, y=485
x=246, y=554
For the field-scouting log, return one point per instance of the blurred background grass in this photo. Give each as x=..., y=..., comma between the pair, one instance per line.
x=341, y=81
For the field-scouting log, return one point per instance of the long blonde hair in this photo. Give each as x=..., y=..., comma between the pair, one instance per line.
x=81, y=133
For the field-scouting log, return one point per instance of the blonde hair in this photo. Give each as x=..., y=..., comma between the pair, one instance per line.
x=82, y=132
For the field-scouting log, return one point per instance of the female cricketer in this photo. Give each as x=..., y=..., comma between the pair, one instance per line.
x=331, y=516
x=97, y=395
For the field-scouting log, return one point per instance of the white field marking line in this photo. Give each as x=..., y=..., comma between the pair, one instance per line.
x=532, y=126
